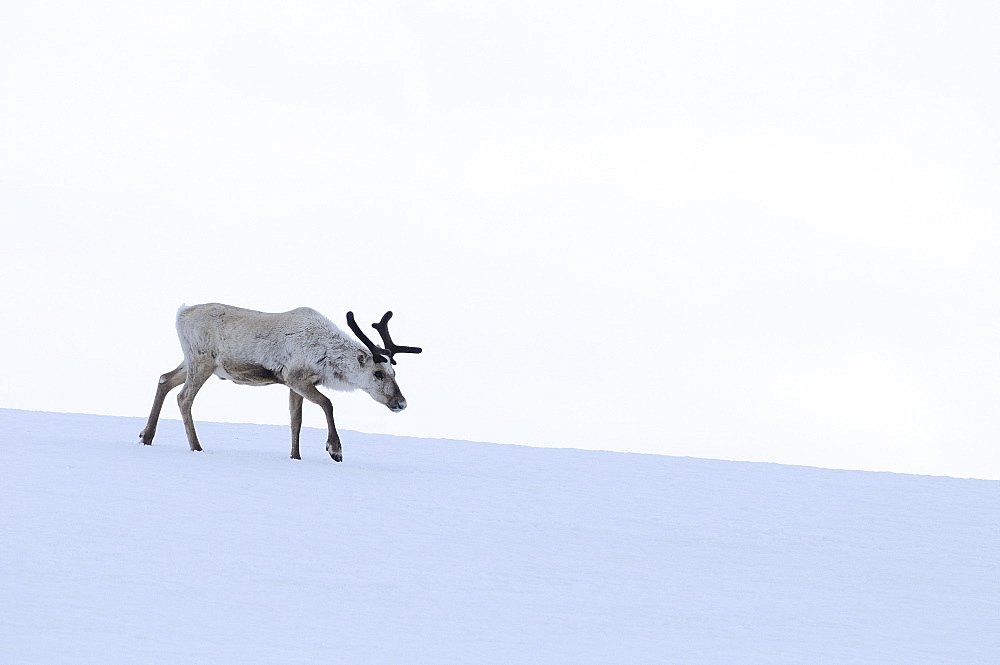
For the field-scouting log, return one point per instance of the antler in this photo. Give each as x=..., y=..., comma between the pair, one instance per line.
x=392, y=348
x=376, y=351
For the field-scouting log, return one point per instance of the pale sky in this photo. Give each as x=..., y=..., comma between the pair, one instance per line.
x=758, y=232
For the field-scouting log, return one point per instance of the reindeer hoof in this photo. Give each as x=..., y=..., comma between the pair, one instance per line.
x=335, y=451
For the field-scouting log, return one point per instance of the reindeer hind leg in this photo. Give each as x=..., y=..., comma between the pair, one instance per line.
x=167, y=382
x=199, y=369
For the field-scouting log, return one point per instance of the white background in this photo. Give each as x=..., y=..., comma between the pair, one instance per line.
x=761, y=232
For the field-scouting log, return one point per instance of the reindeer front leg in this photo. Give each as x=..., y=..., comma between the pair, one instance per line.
x=295, y=408
x=309, y=391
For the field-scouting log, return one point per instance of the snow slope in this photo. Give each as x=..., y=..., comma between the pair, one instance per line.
x=432, y=551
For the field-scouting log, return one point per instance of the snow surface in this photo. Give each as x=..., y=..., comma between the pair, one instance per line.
x=435, y=551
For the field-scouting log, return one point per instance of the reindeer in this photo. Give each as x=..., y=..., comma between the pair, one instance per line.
x=301, y=349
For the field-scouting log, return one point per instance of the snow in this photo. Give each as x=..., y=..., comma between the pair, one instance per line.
x=438, y=551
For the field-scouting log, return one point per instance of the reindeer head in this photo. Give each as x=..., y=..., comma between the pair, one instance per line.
x=378, y=377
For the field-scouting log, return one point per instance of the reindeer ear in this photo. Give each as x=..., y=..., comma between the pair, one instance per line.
x=361, y=359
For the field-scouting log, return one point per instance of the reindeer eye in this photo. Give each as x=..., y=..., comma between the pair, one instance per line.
x=379, y=375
